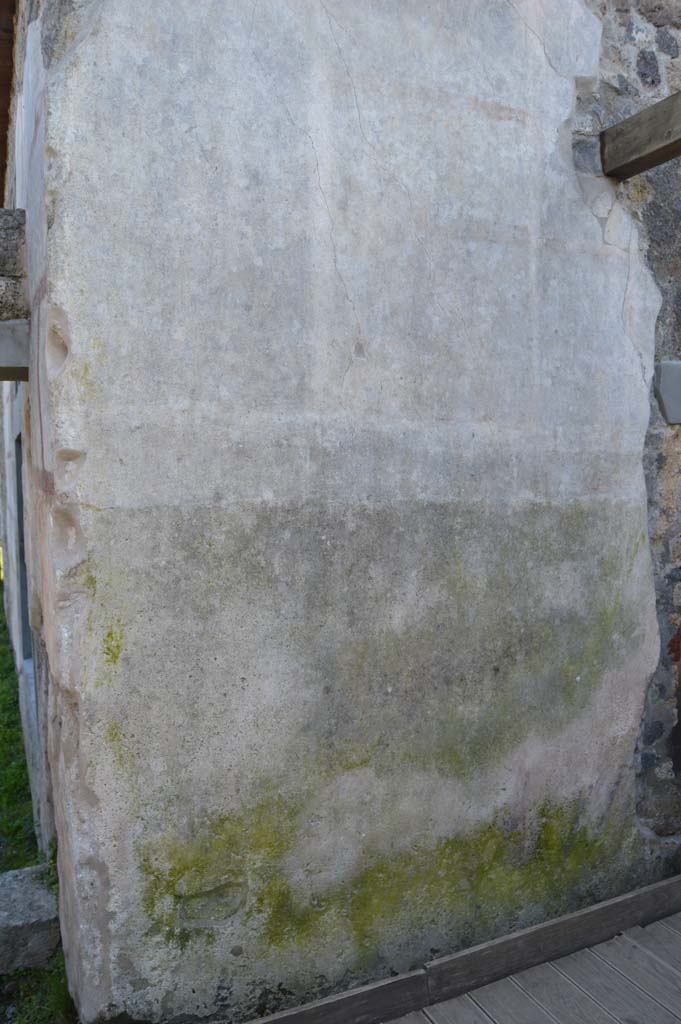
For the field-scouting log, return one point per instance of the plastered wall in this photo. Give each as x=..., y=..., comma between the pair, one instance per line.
x=339, y=528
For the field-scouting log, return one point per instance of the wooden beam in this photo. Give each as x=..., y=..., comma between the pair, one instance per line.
x=14, y=347
x=647, y=139
x=13, y=289
x=472, y=968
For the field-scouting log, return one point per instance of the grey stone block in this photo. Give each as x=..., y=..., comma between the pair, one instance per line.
x=661, y=12
x=29, y=925
x=668, y=389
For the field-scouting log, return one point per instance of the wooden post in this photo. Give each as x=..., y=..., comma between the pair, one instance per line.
x=14, y=347
x=14, y=307
x=647, y=139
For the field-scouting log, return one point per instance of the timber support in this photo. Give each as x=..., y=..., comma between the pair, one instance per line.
x=646, y=140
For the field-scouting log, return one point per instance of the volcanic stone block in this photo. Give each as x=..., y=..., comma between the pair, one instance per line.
x=29, y=927
x=668, y=389
x=13, y=293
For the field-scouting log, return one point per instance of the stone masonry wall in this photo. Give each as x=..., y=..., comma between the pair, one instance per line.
x=641, y=63
x=338, y=533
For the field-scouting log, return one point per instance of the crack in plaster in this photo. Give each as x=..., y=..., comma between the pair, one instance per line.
x=539, y=39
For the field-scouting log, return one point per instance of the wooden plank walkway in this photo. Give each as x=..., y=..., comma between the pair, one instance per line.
x=634, y=978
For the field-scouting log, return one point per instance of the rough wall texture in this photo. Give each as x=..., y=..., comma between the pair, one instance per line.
x=640, y=64
x=337, y=414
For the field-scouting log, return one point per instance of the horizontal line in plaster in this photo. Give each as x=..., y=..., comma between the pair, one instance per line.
x=619, y=499
x=259, y=447
x=501, y=436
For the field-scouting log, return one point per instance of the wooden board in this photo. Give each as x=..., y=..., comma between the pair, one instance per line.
x=644, y=969
x=660, y=941
x=647, y=139
x=506, y=1003
x=567, y=1003
x=417, y=1017
x=370, y=1004
x=453, y=975
x=14, y=347
x=612, y=990
x=456, y=1011
x=673, y=922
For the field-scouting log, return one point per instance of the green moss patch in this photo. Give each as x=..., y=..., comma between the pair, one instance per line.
x=480, y=880
x=113, y=644
x=468, y=886
x=210, y=875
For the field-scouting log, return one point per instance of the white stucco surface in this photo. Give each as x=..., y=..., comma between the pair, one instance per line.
x=342, y=386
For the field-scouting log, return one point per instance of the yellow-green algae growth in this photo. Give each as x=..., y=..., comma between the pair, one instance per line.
x=115, y=738
x=476, y=881
x=490, y=872
x=112, y=648
x=112, y=644
x=217, y=866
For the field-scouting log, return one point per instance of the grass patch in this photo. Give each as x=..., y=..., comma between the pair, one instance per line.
x=18, y=846
x=30, y=996
x=38, y=997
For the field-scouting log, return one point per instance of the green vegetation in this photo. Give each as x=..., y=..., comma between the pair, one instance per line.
x=35, y=997
x=18, y=847
x=39, y=997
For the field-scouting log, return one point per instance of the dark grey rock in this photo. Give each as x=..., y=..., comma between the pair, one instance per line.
x=653, y=732
x=587, y=154
x=29, y=925
x=668, y=389
x=648, y=69
x=667, y=42
x=661, y=12
x=13, y=297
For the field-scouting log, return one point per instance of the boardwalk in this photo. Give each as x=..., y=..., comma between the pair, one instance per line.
x=634, y=978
